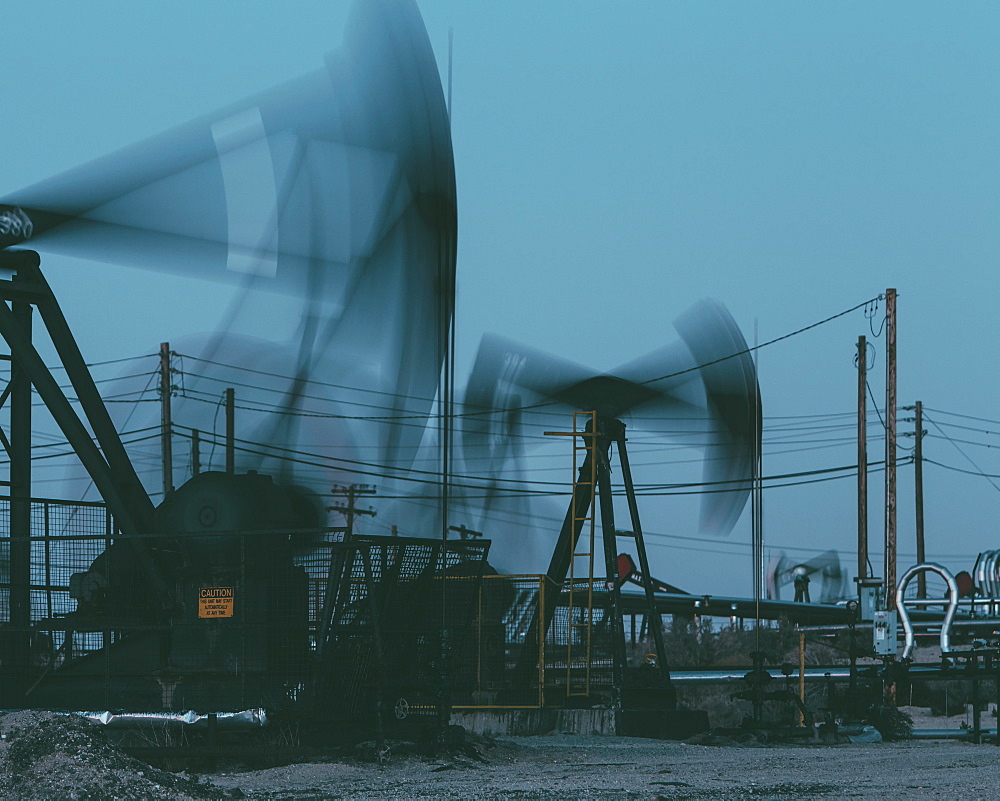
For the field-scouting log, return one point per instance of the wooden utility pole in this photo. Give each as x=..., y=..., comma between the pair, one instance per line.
x=166, y=443
x=464, y=532
x=349, y=510
x=230, y=431
x=195, y=451
x=757, y=489
x=918, y=474
x=862, y=458
x=890, y=449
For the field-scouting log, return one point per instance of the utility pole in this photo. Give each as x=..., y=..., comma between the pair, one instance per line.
x=918, y=474
x=890, y=449
x=195, y=451
x=348, y=509
x=862, y=458
x=230, y=431
x=465, y=533
x=166, y=444
x=757, y=489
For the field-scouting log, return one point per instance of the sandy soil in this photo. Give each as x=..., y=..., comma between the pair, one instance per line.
x=570, y=767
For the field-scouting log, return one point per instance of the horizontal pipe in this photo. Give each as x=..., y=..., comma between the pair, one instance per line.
x=920, y=624
x=816, y=675
x=949, y=734
x=735, y=675
x=247, y=719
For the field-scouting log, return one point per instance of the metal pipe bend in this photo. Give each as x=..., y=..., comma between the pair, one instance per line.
x=951, y=604
x=990, y=584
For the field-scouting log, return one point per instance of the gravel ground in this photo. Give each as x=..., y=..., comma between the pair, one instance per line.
x=571, y=767
x=46, y=757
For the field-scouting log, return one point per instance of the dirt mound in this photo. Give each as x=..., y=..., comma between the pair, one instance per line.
x=48, y=757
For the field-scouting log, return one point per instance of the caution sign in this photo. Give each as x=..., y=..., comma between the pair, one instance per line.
x=215, y=602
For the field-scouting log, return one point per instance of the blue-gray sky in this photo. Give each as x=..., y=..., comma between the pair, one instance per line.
x=616, y=162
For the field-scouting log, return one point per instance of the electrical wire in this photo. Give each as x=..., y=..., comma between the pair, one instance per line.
x=770, y=342
x=979, y=470
x=952, y=468
x=518, y=485
x=544, y=404
x=964, y=416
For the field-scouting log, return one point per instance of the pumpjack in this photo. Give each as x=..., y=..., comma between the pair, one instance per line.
x=707, y=384
x=198, y=601
x=336, y=189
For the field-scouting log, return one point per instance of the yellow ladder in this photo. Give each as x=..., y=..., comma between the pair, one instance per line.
x=581, y=617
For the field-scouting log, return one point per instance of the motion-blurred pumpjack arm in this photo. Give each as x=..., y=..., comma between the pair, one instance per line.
x=108, y=466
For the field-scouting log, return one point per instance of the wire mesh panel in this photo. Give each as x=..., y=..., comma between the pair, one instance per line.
x=573, y=629
x=491, y=672
x=400, y=614
x=65, y=537
x=218, y=621
x=315, y=561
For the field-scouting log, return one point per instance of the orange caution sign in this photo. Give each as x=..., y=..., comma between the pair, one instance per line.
x=216, y=602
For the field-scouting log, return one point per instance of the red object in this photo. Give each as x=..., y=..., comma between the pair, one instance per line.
x=626, y=567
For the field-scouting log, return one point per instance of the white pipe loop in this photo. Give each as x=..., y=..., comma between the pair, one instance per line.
x=950, y=603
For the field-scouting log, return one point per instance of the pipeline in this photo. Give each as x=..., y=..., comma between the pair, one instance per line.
x=838, y=673
x=247, y=719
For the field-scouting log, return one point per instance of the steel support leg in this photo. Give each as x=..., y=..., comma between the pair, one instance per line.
x=611, y=565
x=20, y=513
x=656, y=622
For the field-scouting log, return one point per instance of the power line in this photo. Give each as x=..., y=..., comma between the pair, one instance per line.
x=963, y=441
x=770, y=342
x=952, y=468
x=544, y=404
x=963, y=416
x=107, y=362
x=968, y=458
x=970, y=428
x=312, y=381
x=394, y=472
